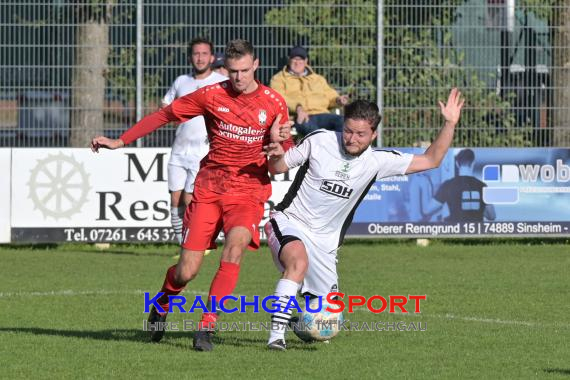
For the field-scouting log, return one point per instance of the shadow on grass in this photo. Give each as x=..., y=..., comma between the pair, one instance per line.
x=32, y=246
x=172, y=338
x=560, y=371
x=132, y=335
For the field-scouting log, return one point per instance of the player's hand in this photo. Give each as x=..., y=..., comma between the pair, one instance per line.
x=452, y=110
x=273, y=151
x=280, y=132
x=105, y=142
x=302, y=116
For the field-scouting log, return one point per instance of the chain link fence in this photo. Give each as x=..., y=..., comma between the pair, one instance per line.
x=510, y=58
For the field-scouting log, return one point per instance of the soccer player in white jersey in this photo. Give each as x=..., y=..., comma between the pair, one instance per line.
x=191, y=141
x=336, y=171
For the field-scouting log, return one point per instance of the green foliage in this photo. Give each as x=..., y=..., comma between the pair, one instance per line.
x=342, y=55
x=542, y=9
x=420, y=67
x=122, y=75
x=94, y=10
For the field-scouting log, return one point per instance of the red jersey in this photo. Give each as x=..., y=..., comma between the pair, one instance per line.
x=238, y=127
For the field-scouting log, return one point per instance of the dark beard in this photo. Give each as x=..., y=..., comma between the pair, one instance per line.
x=205, y=69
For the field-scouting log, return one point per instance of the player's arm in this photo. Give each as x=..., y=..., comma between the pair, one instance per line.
x=280, y=131
x=170, y=94
x=280, y=140
x=145, y=126
x=279, y=161
x=182, y=109
x=435, y=153
x=276, y=158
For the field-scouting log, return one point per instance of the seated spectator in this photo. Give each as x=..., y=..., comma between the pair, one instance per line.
x=308, y=95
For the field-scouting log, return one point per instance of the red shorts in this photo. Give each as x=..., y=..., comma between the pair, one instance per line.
x=207, y=215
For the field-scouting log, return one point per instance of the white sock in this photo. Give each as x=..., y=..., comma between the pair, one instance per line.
x=176, y=218
x=285, y=289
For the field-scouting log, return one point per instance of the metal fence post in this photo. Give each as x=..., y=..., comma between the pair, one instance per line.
x=139, y=66
x=380, y=67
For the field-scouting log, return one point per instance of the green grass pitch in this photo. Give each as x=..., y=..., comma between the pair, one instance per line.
x=493, y=311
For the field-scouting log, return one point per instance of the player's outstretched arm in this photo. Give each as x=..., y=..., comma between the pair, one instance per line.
x=105, y=142
x=434, y=154
x=145, y=126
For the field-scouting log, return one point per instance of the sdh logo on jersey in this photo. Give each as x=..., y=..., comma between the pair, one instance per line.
x=262, y=117
x=336, y=188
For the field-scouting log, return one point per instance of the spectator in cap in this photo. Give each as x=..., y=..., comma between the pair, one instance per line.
x=308, y=95
x=218, y=64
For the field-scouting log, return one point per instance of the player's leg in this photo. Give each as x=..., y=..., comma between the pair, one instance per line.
x=177, y=213
x=192, y=172
x=241, y=217
x=177, y=276
x=321, y=277
x=290, y=256
x=201, y=226
x=176, y=181
x=223, y=284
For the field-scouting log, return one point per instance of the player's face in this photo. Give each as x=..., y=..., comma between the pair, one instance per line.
x=201, y=58
x=297, y=65
x=241, y=72
x=357, y=136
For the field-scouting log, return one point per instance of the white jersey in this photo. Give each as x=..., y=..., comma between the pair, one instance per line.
x=191, y=137
x=330, y=184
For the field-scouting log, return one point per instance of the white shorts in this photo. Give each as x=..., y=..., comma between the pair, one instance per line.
x=321, y=277
x=182, y=173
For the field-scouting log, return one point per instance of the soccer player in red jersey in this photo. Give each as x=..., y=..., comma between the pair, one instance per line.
x=242, y=116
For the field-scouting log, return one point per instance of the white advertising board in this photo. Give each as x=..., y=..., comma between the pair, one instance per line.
x=75, y=195
x=5, y=166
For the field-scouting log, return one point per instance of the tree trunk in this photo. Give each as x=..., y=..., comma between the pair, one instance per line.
x=88, y=84
x=561, y=76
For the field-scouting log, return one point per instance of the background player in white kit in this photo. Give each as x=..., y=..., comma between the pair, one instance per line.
x=337, y=170
x=191, y=141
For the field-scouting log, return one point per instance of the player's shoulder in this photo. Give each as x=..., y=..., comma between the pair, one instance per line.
x=273, y=98
x=383, y=156
x=383, y=151
x=320, y=136
x=270, y=93
x=182, y=79
x=217, y=77
x=215, y=88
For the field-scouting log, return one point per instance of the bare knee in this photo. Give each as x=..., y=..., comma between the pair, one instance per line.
x=295, y=261
x=185, y=275
x=233, y=253
x=296, y=271
x=188, y=266
x=236, y=242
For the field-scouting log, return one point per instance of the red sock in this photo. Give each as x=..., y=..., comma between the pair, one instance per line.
x=223, y=284
x=169, y=287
